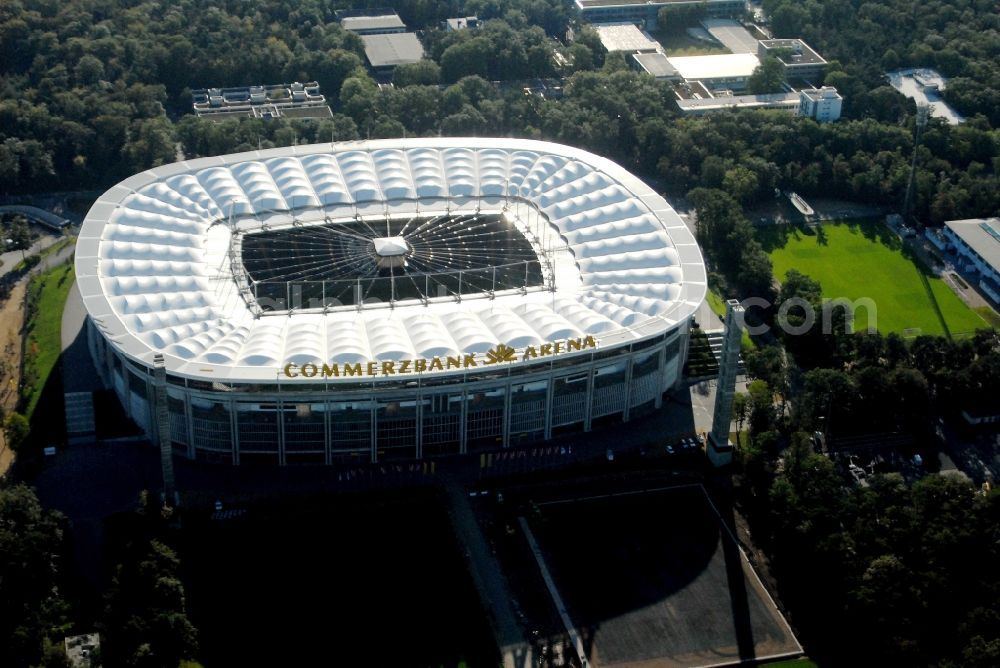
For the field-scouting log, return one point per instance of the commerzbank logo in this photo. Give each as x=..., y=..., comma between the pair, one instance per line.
x=502, y=353
x=499, y=354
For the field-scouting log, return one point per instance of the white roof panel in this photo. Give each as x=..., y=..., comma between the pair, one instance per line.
x=154, y=270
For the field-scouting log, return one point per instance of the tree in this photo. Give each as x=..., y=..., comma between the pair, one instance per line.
x=761, y=404
x=16, y=429
x=20, y=236
x=31, y=608
x=741, y=411
x=740, y=182
x=471, y=57
x=768, y=77
x=150, y=143
x=423, y=73
x=146, y=624
x=89, y=70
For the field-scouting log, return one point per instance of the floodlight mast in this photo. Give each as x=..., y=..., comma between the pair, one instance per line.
x=923, y=111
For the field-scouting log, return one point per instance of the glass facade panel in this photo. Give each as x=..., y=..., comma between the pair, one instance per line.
x=645, y=378
x=350, y=432
x=257, y=426
x=569, y=401
x=397, y=430
x=609, y=389
x=484, y=419
x=305, y=427
x=441, y=423
x=178, y=420
x=210, y=424
x=527, y=411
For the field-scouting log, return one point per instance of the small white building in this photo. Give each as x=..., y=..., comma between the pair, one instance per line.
x=83, y=651
x=461, y=23
x=823, y=104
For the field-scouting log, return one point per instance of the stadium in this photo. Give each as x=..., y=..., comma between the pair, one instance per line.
x=386, y=300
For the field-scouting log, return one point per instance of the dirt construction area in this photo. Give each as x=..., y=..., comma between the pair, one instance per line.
x=11, y=323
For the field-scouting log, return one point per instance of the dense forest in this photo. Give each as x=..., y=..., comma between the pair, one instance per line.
x=91, y=92
x=961, y=38
x=901, y=565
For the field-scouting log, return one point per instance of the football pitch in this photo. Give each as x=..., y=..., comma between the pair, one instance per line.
x=860, y=260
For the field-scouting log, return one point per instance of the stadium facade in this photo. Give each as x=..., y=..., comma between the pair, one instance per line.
x=386, y=300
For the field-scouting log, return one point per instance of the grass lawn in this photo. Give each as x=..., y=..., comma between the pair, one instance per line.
x=679, y=43
x=989, y=315
x=865, y=260
x=802, y=662
x=47, y=294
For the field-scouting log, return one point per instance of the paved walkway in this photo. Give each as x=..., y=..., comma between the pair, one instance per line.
x=490, y=581
x=11, y=258
x=78, y=371
x=557, y=601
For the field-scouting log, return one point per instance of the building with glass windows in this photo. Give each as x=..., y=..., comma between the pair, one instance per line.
x=386, y=300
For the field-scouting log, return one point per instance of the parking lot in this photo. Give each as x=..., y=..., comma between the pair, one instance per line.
x=655, y=579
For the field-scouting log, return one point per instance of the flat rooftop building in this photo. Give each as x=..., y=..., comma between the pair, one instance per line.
x=799, y=59
x=731, y=35
x=655, y=64
x=385, y=52
x=977, y=240
x=625, y=37
x=703, y=105
x=723, y=71
x=645, y=11
x=295, y=100
x=823, y=104
x=373, y=25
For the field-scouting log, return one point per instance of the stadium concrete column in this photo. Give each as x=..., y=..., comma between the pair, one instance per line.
x=462, y=419
x=327, y=435
x=628, y=390
x=506, y=415
x=373, y=430
x=588, y=409
x=549, y=394
x=189, y=425
x=234, y=432
x=719, y=448
x=660, y=366
x=280, y=417
x=684, y=345
x=419, y=426
x=163, y=429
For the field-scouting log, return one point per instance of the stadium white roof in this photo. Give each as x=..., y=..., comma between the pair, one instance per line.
x=154, y=266
x=723, y=66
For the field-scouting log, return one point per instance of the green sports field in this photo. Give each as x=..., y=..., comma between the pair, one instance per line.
x=857, y=260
